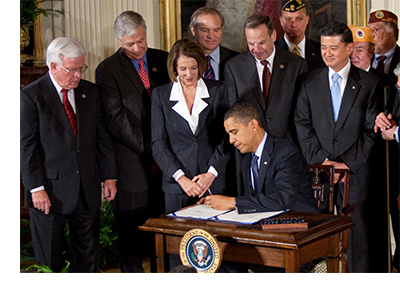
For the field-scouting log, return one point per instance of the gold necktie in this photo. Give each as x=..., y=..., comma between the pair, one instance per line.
x=296, y=50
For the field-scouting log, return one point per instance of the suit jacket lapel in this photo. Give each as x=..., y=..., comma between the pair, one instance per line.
x=276, y=76
x=349, y=95
x=324, y=95
x=52, y=97
x=131, y=72
x=265, y=161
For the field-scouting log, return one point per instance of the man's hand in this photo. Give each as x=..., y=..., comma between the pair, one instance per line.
x=204, y=180
x=41, y=201
x=337, y=165
x=190, y=187
x=382, y=122
x=109, y=189
x=220, y=202
x=387, y=134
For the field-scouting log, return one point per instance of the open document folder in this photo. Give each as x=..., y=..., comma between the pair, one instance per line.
x=206, y=213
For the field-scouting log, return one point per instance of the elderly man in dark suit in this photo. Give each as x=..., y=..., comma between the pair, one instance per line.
x=335, y=114
x=207, y=26
x=294, y=21
x=265, y=76
x=65, y=155
x=363, y=39
x=125, y=80
x=386, y=33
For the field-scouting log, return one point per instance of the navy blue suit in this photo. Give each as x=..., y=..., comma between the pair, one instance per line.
x=284, y=181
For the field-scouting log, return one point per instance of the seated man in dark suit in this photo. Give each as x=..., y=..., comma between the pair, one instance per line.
x=294, y=21
x=274, y=170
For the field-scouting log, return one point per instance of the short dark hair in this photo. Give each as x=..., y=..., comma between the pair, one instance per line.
x=256, y=20
x=337, y=28
x=243, y=113
x=188, y=48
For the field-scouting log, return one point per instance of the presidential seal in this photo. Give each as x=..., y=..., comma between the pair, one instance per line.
x=200, y=249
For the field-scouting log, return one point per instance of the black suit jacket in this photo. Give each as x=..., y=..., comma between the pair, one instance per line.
x=351, y=138
x=52, y=156
x=284, y=181
x=225, y=55
x=313, y=53
x=393, y=63
x=126, y=108
x=242, y=81
x=388, y=80
x=176, y=147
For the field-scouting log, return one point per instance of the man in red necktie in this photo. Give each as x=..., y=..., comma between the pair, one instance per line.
x=65, y=155
x=126, y=79
x=386, y=33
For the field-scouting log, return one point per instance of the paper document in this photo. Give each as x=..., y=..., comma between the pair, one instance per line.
x=201, y=211
x=206, y=213
x=252, y=218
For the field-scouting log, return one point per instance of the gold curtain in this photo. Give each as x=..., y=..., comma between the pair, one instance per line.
x=170, y=22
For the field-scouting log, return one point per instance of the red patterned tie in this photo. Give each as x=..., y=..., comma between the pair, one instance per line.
x=68, y=108
x=144, y=77
x=381, y=66
x=266, y=79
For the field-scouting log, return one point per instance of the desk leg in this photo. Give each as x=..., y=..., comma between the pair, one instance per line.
x=160, y=253
x=292, y=261
x=333, y=260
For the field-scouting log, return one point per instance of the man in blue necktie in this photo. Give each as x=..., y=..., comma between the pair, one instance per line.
x=275, y=173
x=334, y=118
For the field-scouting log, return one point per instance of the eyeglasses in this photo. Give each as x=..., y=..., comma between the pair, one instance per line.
x=73, y=71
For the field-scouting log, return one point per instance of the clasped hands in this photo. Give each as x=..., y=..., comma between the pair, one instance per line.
x=198, y=185
x=386, y=124
x=337, y=177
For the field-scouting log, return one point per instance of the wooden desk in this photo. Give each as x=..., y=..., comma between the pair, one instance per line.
x=250, y=244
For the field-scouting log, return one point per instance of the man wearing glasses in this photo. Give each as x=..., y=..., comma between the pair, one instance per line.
x=294, y=20
x=65, y=155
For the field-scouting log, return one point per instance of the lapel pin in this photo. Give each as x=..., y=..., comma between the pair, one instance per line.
x=265, y=163
x=154, y=69
x=281, y=66
x=353, y=87
x=83, y=96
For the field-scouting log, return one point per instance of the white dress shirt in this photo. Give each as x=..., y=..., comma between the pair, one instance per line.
x=192, y=118
x=260, y=67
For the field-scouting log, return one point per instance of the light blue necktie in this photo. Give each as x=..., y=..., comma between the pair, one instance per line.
x=254, y=169
x=336, y=95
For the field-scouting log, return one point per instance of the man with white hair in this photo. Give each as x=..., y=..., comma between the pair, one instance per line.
x=125, y=80
x=65, y=155
x=386, y=33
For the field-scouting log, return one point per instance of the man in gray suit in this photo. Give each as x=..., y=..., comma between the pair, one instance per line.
x=244, y=77
x=207, y=26
x=335, y=114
